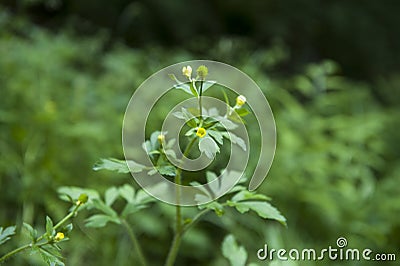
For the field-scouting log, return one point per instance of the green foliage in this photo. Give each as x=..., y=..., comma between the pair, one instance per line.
x=236, y=254
x=336, y=166
x=6, y=233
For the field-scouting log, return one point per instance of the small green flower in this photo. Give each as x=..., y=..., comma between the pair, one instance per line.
x=187, y=71
x=240, y=101
x=59, y=236
x=202, y=72
x=201, y=132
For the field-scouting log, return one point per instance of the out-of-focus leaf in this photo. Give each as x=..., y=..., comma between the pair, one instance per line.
x=119, y=166
x=111, y=195
x=236, y=254
x=100, y=220
x=49, y=227
x=6, y=234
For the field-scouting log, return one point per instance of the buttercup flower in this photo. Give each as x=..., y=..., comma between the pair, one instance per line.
x=59, y=236
x=202, y=72
x=187, y=71
x=161, y=138
x=240, y=100
x=201, y=132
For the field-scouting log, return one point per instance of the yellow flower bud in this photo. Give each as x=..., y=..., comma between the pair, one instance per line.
x=161, y=138
x=187, y=71
x=59, y=236
x=240, y=100
x=201, y=132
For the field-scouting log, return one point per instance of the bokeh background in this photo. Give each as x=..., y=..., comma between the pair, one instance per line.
x=330, y=70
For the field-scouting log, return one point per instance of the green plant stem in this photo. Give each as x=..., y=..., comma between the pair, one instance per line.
x=23, y=248
x=200, y=97
x=13, y=252
x=178, y=213
x=135, y=242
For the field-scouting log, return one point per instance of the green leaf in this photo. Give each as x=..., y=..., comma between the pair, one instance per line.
x=236, y=254
x=208, y=146
x=101, y=206
x=120, y=166
x=32, y=232
x=184, y=87
x=127, y=192
x=49, y=227
x=111, y=195
x=100, y=220
x=215, y=206
x=235, y=140
x=131, y=208
x=6, y=234
x=242, y=112
x=168, y=170
x=193, y=89
x=247, y=195
x=216, y=135
x=49, y=258
x=262, y=208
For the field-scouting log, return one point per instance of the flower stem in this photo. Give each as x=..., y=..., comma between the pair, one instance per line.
x=135, y=242
x=173, y=252
x=200, y=97
x=23, y=248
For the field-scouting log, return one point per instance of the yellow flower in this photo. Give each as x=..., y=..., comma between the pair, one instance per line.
x=201, y=132
x=161, y=138
x=240, y=100
x=59, y=236
x=187, y=71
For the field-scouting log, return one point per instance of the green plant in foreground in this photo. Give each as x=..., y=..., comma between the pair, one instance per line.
x=206, y=128
x=47, y=243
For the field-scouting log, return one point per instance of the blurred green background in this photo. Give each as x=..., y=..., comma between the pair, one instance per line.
x=330, y=70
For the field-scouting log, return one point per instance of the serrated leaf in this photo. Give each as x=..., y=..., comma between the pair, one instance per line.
x=184, y=87
x=215, y=206
x=167, y=170
x=111, y=195
x=6, y=234
x=101, y=206
x=127, y=192
x=208, y=146
x=217, y=136
x=100, y=220
x=142, y=197
x=236, y=254
x=49, y=258
x=235, y=140
x=49, y=227
x=262, y=208
x=131, y=208
x=120, y=166
x=32, y=232
x=247, y=195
